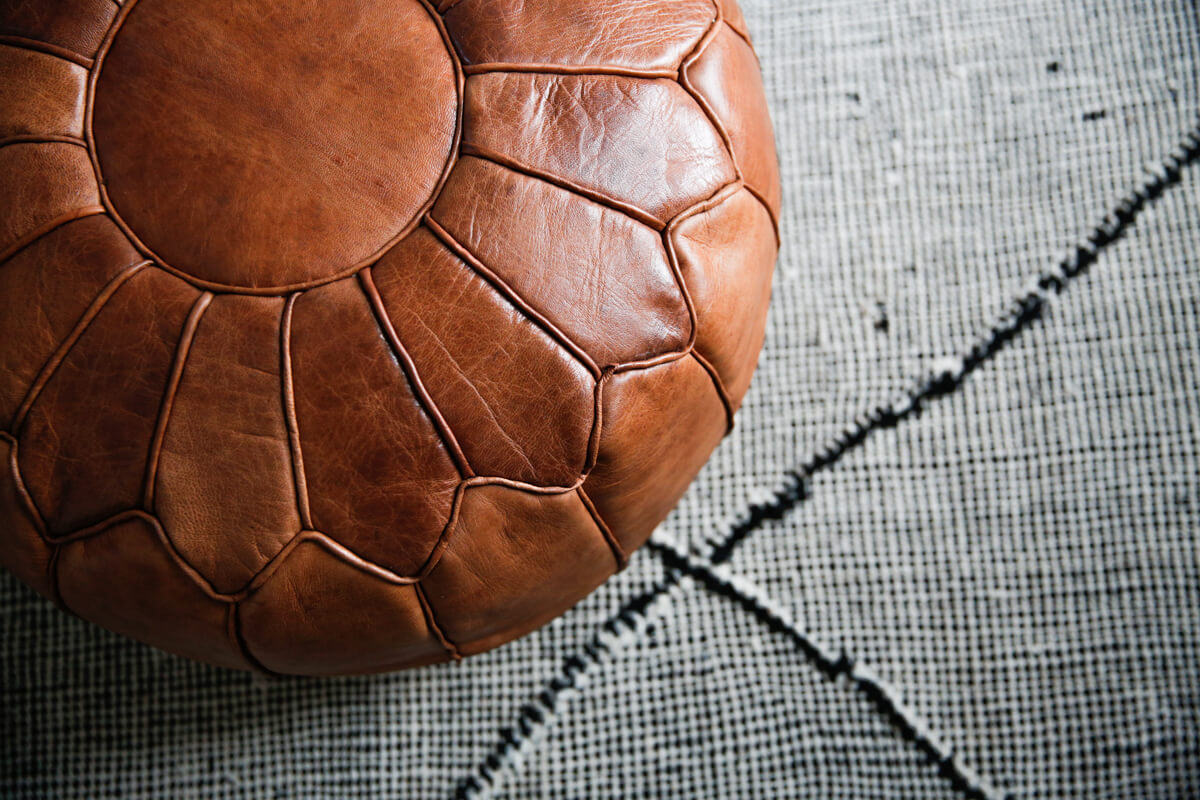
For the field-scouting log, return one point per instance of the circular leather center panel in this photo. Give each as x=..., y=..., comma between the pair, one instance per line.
x=272, y=146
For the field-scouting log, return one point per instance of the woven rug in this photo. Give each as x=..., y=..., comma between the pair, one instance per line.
x=950, y=550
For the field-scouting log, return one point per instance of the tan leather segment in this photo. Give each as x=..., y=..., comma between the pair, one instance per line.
x=727, y=255
x=124, y=579
x=229, y=509
x=660, y=426
x=597, y=274
x=734, y=17
x=530, y=422
x=85, y=460
x=727, y=76
x=40, y=94
x=291, y=156
x=41, y=184
x=623, y=34
x=380, y=480
x=45, y=290
x=317, y=615
x=579, y=128
x=77, y=26
x=22, y=549
x=514, y=562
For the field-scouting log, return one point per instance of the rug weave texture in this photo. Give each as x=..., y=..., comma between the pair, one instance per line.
x=952, y=547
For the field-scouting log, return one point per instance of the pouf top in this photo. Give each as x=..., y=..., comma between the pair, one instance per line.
x=277, y=148
x=340, y=338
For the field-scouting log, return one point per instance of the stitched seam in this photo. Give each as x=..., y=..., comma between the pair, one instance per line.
x=741, y=34
x=681, y=75
x=42, y=138
x=430, y=409
x=243, y=646
x=182, y=350
x=287, y=387
x=47, y=48
x=757, y=195
x=618, y=551
x=702, y=101
x=566, y=69
x=14, y=467
x=719, y=196
x=60, y=353
x=338, y=550
x=837, y=666
x=509, y=163
x=527, y=310
x=719, y=385
x=434, y=626
x=46, y=229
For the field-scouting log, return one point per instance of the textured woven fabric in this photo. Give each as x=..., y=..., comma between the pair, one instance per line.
x=950, y=549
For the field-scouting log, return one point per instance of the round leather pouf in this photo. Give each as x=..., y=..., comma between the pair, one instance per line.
x=347, y=337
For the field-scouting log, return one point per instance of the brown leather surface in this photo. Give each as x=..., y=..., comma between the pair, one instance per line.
x=345, y=338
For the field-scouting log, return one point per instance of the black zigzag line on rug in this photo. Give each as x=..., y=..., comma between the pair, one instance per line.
x=944, y=379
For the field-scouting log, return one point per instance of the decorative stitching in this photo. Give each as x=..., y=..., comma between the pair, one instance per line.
x=434, y=627
x=740, y=35
x=719, y=385
x=449, y=441
x=757, y=195
x=182, y=349
x=618, y=551
x=287, y=386
x=567, y=69
x=52, y=364
x=495, y=280
x=727, y=140
x=243, y=646
x=41, y=138
x=47, y=48
x=46, y=229
x=14, y=468
x=682, y=77
x=633, y=212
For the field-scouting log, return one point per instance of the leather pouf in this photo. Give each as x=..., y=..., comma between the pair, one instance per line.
x=341, y=337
